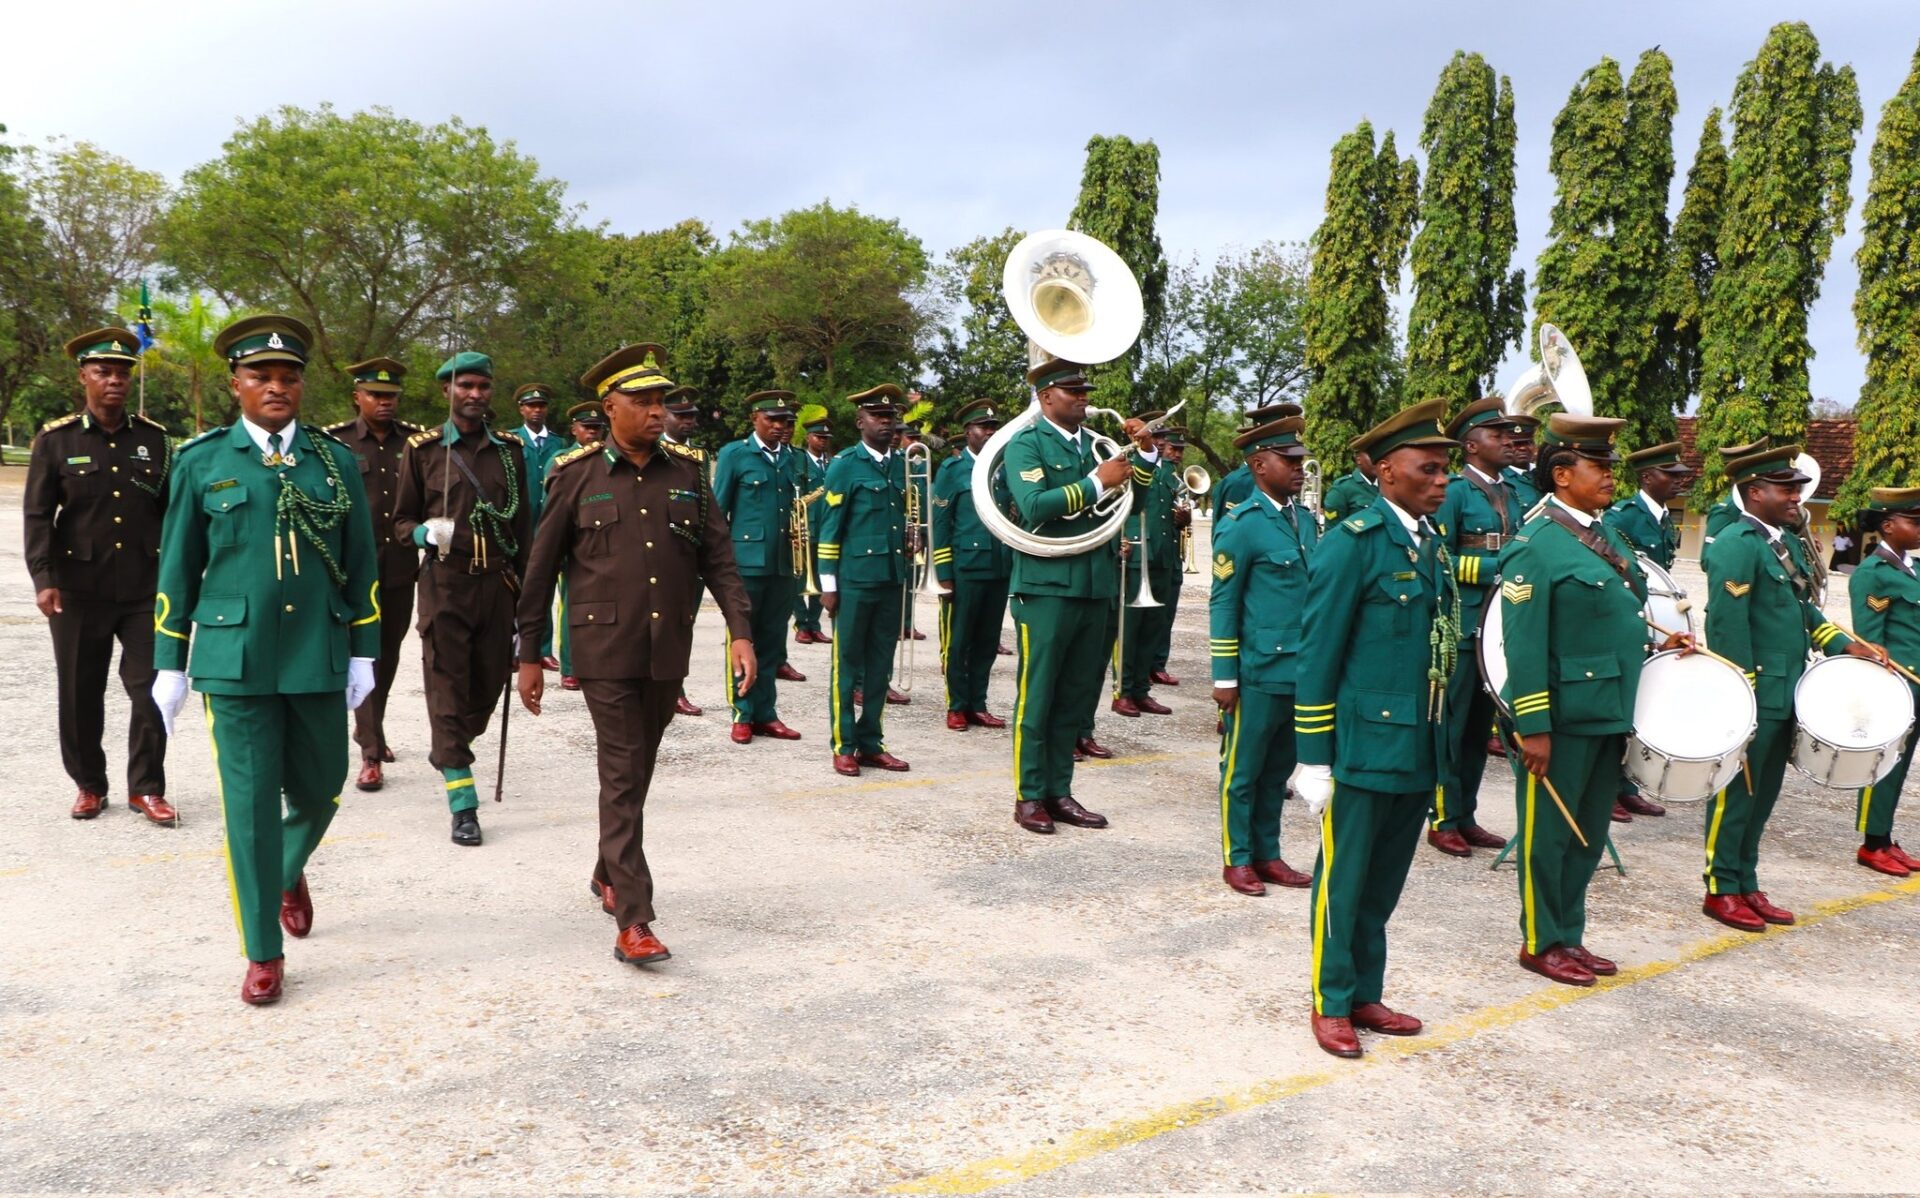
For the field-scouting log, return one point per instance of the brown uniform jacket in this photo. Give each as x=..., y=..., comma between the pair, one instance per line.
x=430, y=486
x=635, y=545
x=93, y=505
x=380, y=463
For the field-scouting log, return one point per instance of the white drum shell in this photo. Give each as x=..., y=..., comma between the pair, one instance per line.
x=1851, y=720
x=1692, y=718
x=1667, y=602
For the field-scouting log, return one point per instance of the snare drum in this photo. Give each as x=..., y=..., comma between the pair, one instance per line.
x=1852, y=718
x=1492, y=648
x=1667, y=603
x=1692, y=719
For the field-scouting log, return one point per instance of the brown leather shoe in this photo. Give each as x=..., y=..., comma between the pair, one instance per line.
x=1882, y=860
x=1092, y=748
x=87, y=805
x=957, y=721
x=859, y=697
x=1732, y=910
x=787, y=673
x=775, y=729
x=386, y=756
x=1378, y=1017
x=1335, y=1034
x=296, y=909
x=1078, y=756
x=686, y=706
x=1496, y=747
x=846, y=763
x=156, y=809
x=1556, y=966
x=1162, y=678
x=638, y=945
x=883, y=761
x=1152, y=706
x=822, y=638
x=802, y=637
x=550, y=662
x=1757, y=900
x=602, y=891
x=1122, y=705
x=1593, y=963
x=1449, y=842
x=741, y=734
x=1066, y=809
x=369, y=777
x=985, y=719
x=263, y=982
x=569, y=683
x=1033, y=816
x=1641, y=805
x=1620, y=813
x=919, y=635
x=898, y=698
x=1480, y=838
x=1243, y=879
x=1002, y=651
x=1281, y=874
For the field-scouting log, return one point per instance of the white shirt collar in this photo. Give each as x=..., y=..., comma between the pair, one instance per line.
x=1277, y=505
x=1658, y=509
x=1585, y=520
x=1773, y=534
x=538, y=436
x=763, y=446
x=1415, y=526
x=259, y=435
x=1072, y=438
x=1483, y=474
x=880, y=456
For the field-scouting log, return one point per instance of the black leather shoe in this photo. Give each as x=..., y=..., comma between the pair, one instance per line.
x=466, y=829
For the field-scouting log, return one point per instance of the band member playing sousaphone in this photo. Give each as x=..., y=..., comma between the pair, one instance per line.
x=1886, y=608
x=1571, y=596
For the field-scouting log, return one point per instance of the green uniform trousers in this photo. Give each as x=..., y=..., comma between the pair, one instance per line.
x=970, y=619
x=1738, y=815
x=1149, y=633
x=866, y=635
x=1108, y=636
x=266, y=747
x=772, y=598
x=1470, y=712
x=1877, y=803
x=1256, y=759
x=1367, y=840
x=561, y=640
x=1163, y=650
x=1064, y=641
x=1555, y=868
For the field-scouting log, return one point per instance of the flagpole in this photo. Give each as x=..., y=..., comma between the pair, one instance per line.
x=146, y=343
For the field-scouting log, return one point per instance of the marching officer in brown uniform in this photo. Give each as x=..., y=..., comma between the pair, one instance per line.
x=463, y=497
x=96, y=487
x=634, y=524
x=379, y=443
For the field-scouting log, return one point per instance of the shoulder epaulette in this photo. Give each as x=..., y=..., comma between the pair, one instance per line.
x=340, y=426
x=329, y=434
x=685, y=451
x=1362, y=521
x=511, y=438
x=575, y=454
x=190, y=442
x=422, y=437
x=406, y=427
x=149, y=421
x=848, y=451
x=1621, y=505
x=60, y=422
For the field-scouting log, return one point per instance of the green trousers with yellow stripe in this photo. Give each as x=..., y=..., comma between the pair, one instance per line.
x=267, y=748
x=1737, y=816
x=1256, y=759
x=1554, y=867
x=1876, y=804
x=1470, y=714
x=771, y=596
x=1367, y=839
x=1063, y=642
x=866, y=635
x=970, y=618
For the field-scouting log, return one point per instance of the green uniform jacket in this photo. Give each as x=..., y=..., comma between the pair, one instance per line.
x=1575, y=639
x=1048, y=481
x=1659, y=540
x=962, y=545
x=539, y=457
x=816, y=487
x=1886, y=606
x=1466, y=512
x=1524, y=491
x=1349, y=493
x=757, y=496
x=1756, y=620
x=864, y=536
x=1234, y=489
x=1363, y=693
x=1261, y=557
x=1155, y=508
x=253, y=633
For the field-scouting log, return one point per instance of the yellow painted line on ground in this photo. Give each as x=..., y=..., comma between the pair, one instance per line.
x=981, y=1176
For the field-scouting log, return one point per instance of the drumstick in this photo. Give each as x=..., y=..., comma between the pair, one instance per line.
x=1555, y=795
x=1893, y=665
x=1697, y=646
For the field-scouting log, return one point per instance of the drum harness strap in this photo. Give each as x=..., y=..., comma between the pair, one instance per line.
x=1593, y=539
x=1802, y=585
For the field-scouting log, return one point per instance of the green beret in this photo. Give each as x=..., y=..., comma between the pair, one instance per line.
x=260, y=339
x=464, y=362
x=1417, y=426
x=104, y=345
x=377, y=376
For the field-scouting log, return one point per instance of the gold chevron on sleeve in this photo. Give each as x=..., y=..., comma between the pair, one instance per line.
x=1738, y=589
x=1517, y=592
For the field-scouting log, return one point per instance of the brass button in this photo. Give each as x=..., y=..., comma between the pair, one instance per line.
x=115, y=469
x=1589, y=673
x=649, y=544
x=219, y=618
x=116, y=494
x=589, y=617
x=1385, y=714
x=596, y=524
x=656, y=615
x=643, y=511
x=116, y=519
x=653, y=580
x=116, y=545
x=289, y=607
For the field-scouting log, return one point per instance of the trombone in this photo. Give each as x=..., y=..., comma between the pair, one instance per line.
x=800, y=542
x=918, y=460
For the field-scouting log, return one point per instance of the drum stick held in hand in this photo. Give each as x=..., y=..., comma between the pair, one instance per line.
x=1554, y=794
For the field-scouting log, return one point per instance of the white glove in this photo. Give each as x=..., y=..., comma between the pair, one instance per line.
x=440, y=531
x=359, y=680
x=169, y=695
x=1313, y=783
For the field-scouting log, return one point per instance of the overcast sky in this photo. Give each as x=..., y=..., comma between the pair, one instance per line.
x=956, y=119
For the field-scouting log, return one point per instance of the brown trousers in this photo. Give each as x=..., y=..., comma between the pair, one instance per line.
x=466, y=642
x=83, y=635
x=629, y=716
x=370, y=718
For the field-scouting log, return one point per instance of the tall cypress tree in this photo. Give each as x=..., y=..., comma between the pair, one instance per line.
x=1693, y=259
x=1119, y=203
x=1466, y=307
x=1794, y=123
x=1887, y=306
x=1357, y=254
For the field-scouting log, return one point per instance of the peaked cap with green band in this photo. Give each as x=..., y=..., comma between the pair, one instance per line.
x=980, y=411
x=682, y=401
x=1172, y=434
x=775, y=405
x=377, y=376
x=1771, y=465
x=533, y=393
x=1729, y=452
x=631, y=368
x=465, y=362
x=586, y=413
x=1482, y=412
x=1904, y=500
x=884, y=398
x=104, y=345
x=1591, y=437
x=1416, y=427
x=1282, y=436
x=1058, y=372
x=1665, y=458
x=255, y=340
x=1255, y=417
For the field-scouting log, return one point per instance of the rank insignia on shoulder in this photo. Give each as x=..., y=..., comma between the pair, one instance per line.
x=1879, y=602
x=1738, y=589
x=1222, y=566
x=223, y=484
x=1517, y=592
x=834, y=498
x=1034, y=475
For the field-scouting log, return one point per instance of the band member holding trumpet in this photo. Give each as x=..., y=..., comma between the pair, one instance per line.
x=818, y=446
x=1153, y=571
x=1762, y=617
x=1886, y=609
x=971, y=566
x=866, y=555
x=1382, y=632
x=1261, y=554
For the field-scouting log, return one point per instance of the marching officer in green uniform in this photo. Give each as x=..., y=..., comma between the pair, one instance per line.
x=1064, y=608
x=1262, y=552
x=1237, y=486
x=586, y=424
x=1519, y=474
x=756, y=481
x=819, y=450
x=541, y=444
x=1353, y=491
x=1761, y=616
x=96, y=488
x=379, y=442
x=1171, y=442
x=1154, y=564
x=1571, y=597
x=463, y=494
x=972, y=566
x=1885, y=596
x=866, y=558
x=269, y=575
x=1381, y=638
x=683, y=418
x=1480, y=516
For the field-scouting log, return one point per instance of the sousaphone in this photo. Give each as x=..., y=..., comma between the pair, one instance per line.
x=1557, y=378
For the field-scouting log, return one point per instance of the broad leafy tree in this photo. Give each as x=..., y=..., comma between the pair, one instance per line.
x=1119, y=203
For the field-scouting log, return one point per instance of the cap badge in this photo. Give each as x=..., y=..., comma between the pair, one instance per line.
x=384, y=377
x=117, y=349
x=274, y=342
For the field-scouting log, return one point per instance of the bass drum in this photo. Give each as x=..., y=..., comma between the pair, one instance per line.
x=1852, y=718
x=1667, y=602
x=1492, y=649
x=1692, y=719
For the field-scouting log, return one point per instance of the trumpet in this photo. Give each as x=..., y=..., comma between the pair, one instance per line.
x=1311, y=477
x=1190, y=484
x=800, y=542
x=918, y=460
